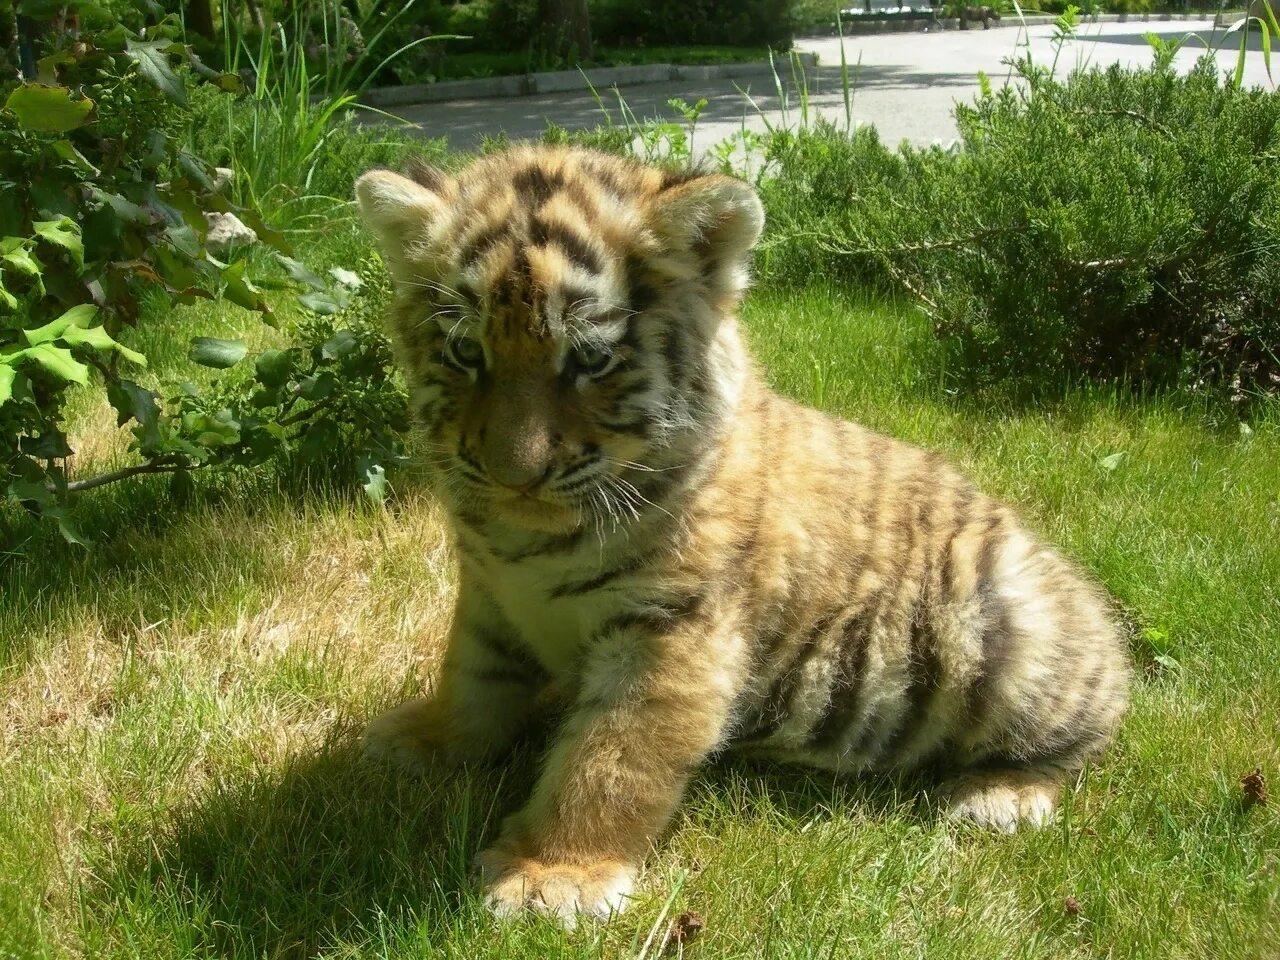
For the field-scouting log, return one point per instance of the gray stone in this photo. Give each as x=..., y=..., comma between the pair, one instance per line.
x=226, y=230
x=222, y=176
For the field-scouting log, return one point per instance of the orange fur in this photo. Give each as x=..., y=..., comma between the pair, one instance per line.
x=700, y=564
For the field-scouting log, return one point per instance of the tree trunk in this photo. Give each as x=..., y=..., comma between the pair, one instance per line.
x=255, y=14
x=565, y=29
x=199, y=17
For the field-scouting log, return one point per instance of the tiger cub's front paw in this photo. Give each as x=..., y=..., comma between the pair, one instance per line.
x=514, y=883
x=411, y=737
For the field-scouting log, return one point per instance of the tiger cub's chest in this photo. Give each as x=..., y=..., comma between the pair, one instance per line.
x=554, y=605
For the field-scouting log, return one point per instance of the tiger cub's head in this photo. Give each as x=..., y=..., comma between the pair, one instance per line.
x=565, y=320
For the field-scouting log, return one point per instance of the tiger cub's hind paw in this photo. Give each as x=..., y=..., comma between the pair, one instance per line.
x=1004, y=800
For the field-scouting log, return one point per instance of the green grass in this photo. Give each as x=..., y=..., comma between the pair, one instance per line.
x=179, y=708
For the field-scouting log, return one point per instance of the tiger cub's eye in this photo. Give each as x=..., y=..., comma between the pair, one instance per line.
x=590, y=360
x=466, y=352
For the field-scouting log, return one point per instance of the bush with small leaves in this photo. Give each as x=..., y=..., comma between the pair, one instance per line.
x=102, y=228
x=1118, y=225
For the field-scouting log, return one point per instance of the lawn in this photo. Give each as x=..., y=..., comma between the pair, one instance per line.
x=179, y=708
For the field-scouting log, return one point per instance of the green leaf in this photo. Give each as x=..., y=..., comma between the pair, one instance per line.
x=124, y=209
x=59, y=362
x=52, y=201
x=219, y=354
x=50, y=444
x=98, y=339
x=325, y=302
x=65, y=526
x=347, y=278
x=64, y=233
x=7, y=375
x=20, y=259
x=184, y=239
x=273, y=367
x=339, y=345
x=1112, y=461
x=47, y=66
x=1238, y=77
x=67, y=151
x=152, y=58
x=263, y=398
x=31, y=490
x=240, y=290
x=48, y=109
x=1266, y=43
x=197, y=168
x=259, y=442
x=317, y=387
x=266, y=233
x=373, y=481
x=7, y=298
x=228, y=82
x=133, y=402
x=78, y=316
x=218, y=430
x=301, y=273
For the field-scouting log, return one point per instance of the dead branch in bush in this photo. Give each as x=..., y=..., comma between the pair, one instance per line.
x=1142, y=118
x=930, y=307
x=928, y=246
x=1108, y=264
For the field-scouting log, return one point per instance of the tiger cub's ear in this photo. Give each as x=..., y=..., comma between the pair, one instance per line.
x=718, y=217
x=400, y=211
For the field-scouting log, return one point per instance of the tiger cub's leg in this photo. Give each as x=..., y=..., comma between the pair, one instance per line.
x=1005, y=798
x=1047, y=690
x=649, y=710
x=479, y=704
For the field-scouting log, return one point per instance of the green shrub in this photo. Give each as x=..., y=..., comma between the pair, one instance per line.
x=103, y=229
x=101, y=213
x=1118, y=225
x=744, y=23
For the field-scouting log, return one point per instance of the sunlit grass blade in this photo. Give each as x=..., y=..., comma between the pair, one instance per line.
x=782, y=93
x=595, y=95
x=1237, y=78
x=1265, y=30
x=401, y=51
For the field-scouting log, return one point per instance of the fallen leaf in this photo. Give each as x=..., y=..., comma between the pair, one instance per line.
x=55, y=719
x=1071, y=907
x=683, y=929
x=1254, y=787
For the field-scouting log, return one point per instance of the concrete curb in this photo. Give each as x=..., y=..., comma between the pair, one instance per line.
x=562, y=81
x=924, y=24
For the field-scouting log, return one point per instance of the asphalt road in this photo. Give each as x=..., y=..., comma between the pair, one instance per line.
x=906, y=86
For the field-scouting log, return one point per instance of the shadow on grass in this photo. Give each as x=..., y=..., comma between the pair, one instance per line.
x=328, y=850
x=320, y=851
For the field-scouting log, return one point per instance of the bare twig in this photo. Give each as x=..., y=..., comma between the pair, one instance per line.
x=307, y=413
x=155, y=466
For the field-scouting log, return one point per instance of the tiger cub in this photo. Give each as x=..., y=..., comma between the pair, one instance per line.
x=701, y=564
